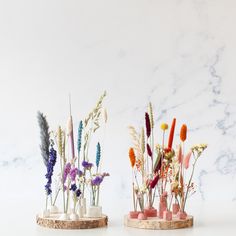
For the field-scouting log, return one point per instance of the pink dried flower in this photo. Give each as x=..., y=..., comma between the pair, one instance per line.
x=180, y=154
x=187, y=159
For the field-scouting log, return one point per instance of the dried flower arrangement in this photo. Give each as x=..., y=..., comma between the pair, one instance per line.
x=161, y=170
x=77, y=176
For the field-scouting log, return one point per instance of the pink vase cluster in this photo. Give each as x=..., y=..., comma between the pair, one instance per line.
x=163, y=213
x=162, y=206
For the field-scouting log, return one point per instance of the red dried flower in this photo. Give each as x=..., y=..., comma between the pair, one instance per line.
x=148, y=125
x=154, y=182
x=149, y=150
x=171, y=135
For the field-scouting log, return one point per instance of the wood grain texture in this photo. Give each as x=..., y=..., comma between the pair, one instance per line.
x=157, y=223
x=83, y=223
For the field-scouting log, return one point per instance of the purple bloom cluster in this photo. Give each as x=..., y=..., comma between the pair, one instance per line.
x=80, y=173
x=97, y=180
x=66, y=171
x=73, y=173
x=78, y=192
x=50, y=166
x=73, y=187
x=87, y=165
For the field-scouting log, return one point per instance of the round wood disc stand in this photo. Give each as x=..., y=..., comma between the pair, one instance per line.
x=82, y=223
x=157, y=223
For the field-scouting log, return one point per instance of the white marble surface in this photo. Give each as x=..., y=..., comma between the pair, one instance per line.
x=179, y=54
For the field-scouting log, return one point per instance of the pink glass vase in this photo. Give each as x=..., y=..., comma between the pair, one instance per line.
x=150, y=212
x=133, y=214
x=167, y=215
x=162, y=206
x=182, y=215
x=175, y=208
x=142, y=216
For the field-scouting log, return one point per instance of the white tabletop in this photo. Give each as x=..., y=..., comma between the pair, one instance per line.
x=210, y=219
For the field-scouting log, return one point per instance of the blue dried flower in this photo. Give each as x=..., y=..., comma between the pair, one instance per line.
x=80, y=129
x=98, y=154
x=50, y=166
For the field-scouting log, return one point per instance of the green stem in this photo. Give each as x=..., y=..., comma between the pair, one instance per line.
x=150, y=197
x=68, y=196
x=62, y=185
x=168, y=208
x=154, y=195
x=56, y=197
x=83, y=185
x=98, y=195
x=133, y=196
x=136, y=204
x=78, y=160
x=162, y=157
x=75, y=201
x=152, y=149
x=147, y=158
x=189, y=182
x=46, y=202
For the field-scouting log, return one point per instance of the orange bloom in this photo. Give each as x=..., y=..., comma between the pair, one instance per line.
x=138, y=165
x=132, y=157
x=183, y=133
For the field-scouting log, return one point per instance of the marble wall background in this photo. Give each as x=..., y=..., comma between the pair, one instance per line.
x=179, y=54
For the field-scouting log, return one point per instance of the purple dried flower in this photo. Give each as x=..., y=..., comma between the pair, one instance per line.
x=87, y=165
x=78, y=192
x=73, y=187
x=73, y=173
x=97, y=180
x=66, y=171
x=80, y=173
x=50, y=166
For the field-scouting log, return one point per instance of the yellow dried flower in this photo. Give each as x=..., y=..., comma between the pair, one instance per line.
x=164, y=126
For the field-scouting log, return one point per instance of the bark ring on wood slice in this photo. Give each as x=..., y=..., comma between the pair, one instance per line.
x=156, y=223
x=54, y=222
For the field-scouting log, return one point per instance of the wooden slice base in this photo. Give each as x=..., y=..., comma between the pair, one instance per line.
x=83, y=223
x=157, y=223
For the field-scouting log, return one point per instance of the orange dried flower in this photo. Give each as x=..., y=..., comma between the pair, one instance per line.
x=139, y=165
x=132, y=157
x=183, y=133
